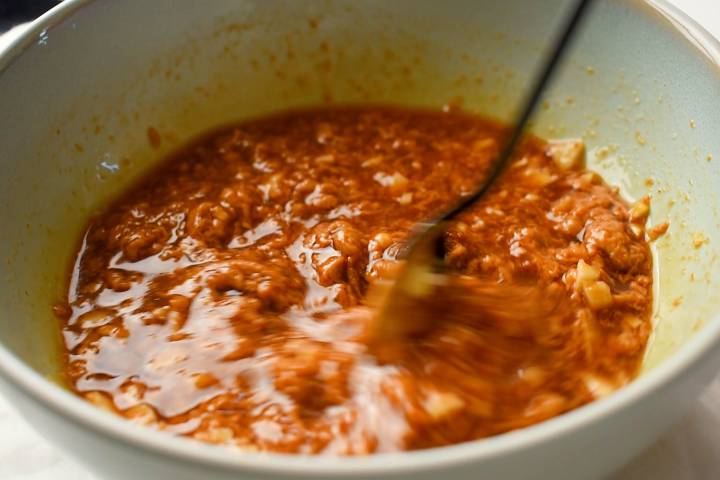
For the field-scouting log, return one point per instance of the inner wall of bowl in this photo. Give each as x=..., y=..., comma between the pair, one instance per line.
x=78, y=103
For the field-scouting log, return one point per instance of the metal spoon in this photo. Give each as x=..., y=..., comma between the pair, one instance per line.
x=424, y=257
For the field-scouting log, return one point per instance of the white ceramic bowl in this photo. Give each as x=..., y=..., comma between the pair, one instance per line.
x=79, y=90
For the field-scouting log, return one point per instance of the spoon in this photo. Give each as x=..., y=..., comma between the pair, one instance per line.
x=424, y=257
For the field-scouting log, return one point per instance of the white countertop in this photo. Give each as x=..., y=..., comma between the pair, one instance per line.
x=691, y=451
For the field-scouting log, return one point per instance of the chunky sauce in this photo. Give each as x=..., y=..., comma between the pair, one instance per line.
x=224, y=297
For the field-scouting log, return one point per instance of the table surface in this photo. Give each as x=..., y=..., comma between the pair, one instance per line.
x=690, y=451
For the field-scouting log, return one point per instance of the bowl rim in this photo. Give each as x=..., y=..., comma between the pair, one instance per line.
x=62, y=402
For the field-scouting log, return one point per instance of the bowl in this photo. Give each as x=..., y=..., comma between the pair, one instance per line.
x=81, y=88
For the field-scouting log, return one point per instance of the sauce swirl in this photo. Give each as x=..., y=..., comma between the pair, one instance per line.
x=224, y=296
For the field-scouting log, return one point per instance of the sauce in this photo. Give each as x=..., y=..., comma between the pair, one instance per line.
x=224, y=296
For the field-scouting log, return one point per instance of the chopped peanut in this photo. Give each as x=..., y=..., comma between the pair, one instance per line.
x=100, y=400
x=598, y=295
x=216, y=435
x=598, y=386
x=567, y=154
x=442, y=404
x=539, y=177
x=141, y=414
x=596, y=292
x=640, y=210
x=586, y=273
x=405, y=198
x=658, y=230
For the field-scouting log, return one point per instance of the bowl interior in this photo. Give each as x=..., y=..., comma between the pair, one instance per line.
x=80, y=99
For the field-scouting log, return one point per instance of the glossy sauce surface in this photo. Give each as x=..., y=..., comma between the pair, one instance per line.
x=224, y=297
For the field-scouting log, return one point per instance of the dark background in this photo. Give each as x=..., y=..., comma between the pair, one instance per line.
x=13, y=12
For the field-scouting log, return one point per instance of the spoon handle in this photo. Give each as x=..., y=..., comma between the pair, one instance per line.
x=530, y=103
